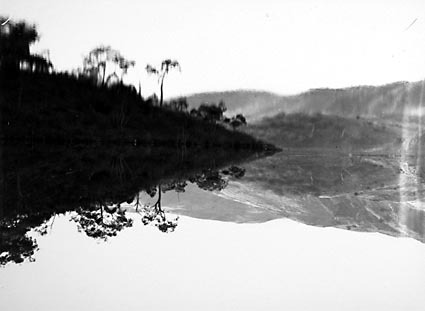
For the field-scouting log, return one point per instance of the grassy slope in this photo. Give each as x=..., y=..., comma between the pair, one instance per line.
x=61, y=108
x=321, y=131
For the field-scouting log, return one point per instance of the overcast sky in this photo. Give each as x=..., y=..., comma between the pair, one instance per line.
x=279, y=46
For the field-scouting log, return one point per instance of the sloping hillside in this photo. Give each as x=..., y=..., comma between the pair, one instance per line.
x=325, y=131
x=387, y=101
x=61, y=108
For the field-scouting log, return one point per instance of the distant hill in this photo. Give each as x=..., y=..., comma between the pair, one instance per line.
x=319, y=131
x=386, y=101
x=250, y=103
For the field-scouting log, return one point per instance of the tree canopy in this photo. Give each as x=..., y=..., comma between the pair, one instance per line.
x=101, y=64
x=15, y=41
x=166, y=66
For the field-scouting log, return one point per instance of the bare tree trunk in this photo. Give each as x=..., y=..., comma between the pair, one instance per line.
x=159, y=197
x=104, y=73
x=161, y=100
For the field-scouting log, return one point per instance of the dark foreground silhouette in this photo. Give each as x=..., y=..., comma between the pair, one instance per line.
x=59, y=108
x=90, y=104
x=86, y=143
x=39, y=182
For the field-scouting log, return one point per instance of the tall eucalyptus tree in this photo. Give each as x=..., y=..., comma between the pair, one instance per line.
x=166, y=66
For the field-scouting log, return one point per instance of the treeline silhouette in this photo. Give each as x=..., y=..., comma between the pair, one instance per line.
x=84, y=142
x=92, y=104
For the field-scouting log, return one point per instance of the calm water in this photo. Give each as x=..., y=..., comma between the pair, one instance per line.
x=296, y=231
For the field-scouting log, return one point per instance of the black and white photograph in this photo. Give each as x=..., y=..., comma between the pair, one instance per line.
x=212, y=155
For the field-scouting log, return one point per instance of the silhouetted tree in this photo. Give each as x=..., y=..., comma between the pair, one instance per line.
x=182, y=104
x=211, y=112
x=236, y=121
x=166, y=65
x=124, y=64
x=15, y=41
x=179, y=104
x=96, y=62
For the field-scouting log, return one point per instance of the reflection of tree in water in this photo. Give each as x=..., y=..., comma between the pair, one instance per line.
x=154, y=214
x=102, y=222
x=99, y=218
x=15, y=244
x=209, y=179
x=214, y=180
x=234, y=171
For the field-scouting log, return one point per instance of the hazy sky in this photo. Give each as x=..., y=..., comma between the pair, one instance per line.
x=280, y=46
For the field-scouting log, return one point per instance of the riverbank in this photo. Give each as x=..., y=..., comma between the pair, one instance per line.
x=63, y=109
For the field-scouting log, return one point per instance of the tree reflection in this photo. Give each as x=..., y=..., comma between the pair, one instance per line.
x=96, y=190
x=103, y=219
x=234, y=171
x=16, y=247
x=208, y=179
x=102, y=222
x=214, y=180
x=15, y=244
x=154, y=214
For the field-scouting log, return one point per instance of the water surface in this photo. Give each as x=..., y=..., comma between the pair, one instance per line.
x=297, y=231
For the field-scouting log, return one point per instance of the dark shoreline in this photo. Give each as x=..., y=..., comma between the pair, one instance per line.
x=57, y=108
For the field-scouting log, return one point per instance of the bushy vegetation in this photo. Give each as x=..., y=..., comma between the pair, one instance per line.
x=215, y=114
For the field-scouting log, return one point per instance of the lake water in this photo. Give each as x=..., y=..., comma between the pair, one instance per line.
x=294, y=231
